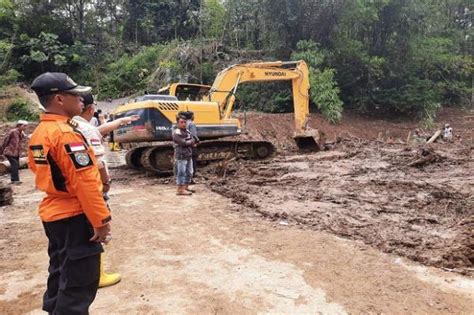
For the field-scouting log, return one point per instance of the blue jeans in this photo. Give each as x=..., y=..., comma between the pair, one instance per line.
x=184, y=171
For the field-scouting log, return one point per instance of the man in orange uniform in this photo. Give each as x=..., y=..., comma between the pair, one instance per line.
x=75, y=217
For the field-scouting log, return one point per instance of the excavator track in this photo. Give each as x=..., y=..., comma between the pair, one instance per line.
x=159, y=158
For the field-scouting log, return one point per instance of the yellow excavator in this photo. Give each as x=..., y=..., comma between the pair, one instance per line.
x=213, y=107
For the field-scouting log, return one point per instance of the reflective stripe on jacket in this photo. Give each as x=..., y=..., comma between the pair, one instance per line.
x=66, y=170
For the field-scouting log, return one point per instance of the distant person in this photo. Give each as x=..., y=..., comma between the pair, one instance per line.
x=447, y=133
x=417, y=137
x=12, y=147
x=95, y=120
x=191, y=126
x=100, y=117
x=183, y=144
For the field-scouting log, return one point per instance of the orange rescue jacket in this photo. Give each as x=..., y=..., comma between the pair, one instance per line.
x=66, y=170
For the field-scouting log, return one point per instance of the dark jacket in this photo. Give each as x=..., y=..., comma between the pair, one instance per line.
x=12, y=144
x=182, y=142
x=191, y=126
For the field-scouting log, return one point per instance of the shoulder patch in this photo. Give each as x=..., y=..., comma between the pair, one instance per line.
x=73, y=123
x=77, y=152
x=64, y=127
x=75, y=147
x=82, y=159
x=37, y=151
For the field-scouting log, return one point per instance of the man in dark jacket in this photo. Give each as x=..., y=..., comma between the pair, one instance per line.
x=191, y=126
x=183, y=152
x=11, y=148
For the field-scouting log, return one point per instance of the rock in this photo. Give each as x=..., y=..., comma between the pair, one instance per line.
x=6, y=195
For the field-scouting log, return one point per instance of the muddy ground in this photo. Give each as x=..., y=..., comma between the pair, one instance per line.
x=199, y=255
x=367, y=192
x=412, y=200
x=373, y=225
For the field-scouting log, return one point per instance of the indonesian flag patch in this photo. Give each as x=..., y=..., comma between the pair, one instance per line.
x=75, y=147
x=77, y=151
x=95, y=141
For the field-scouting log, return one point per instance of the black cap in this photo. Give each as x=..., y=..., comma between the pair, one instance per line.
x=53, y=82
x=187, y=114
x=87, y=99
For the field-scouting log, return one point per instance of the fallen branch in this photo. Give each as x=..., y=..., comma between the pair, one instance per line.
x=427, y=156
x=434, y=137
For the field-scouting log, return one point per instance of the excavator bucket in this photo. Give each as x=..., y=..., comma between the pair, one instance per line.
x=309, y=141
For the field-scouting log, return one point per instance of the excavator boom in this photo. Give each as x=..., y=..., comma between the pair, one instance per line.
x=227, y=81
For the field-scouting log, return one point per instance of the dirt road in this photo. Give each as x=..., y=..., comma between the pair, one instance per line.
x=200, y=254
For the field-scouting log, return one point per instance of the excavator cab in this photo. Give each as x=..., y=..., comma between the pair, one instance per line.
x=186, y=91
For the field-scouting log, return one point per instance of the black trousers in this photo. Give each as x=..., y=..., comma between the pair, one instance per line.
x=14, y=167
x=73, y=266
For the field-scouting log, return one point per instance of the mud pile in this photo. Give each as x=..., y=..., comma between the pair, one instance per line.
x=279, y=128
x=369, y=194
x=413, y=201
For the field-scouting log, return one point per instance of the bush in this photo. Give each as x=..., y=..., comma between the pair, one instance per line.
x=130, y=73
x=9, y=77
x=324, y=89
x=325, y=94
x=270, y=97
x=21, y=109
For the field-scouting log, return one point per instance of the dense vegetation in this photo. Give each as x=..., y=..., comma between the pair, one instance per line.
x=378, y=56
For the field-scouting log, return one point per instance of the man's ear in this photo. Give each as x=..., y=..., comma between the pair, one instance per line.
x=60, y=99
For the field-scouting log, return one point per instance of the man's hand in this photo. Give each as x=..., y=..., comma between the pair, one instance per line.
x=105, y=187
x=129, y=119
x=101, y=234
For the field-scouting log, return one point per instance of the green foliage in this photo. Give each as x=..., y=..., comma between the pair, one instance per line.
x=213, y=19
x=208, y=72
x=21, y=109
x=9, y=77
x=45, y=52
x=325, y=94
x=379, y=56
x=271, y=97
x=130, y=72
x=324, y=91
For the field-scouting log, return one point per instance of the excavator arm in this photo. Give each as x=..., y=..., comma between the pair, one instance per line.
x=226, y=83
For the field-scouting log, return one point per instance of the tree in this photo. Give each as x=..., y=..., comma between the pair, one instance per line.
x=324, y=90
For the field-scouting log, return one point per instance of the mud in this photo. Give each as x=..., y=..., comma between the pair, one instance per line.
x=367, y=194
x=412, y=201
x=256, y=246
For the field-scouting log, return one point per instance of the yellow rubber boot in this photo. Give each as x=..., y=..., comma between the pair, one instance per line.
x=107, y=279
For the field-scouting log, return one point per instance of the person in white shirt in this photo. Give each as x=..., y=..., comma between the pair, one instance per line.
x=94, y=136
x=447, y=133
x=94, y=121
